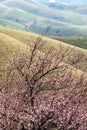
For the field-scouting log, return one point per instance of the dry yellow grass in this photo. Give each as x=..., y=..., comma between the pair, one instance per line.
x=26, y=37
x=8, y=48
x=16, y=40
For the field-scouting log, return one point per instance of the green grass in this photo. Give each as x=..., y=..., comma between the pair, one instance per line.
x=75, y=41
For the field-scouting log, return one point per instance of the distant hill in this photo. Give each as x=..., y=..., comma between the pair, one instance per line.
x=44, y=17
x=73, y=2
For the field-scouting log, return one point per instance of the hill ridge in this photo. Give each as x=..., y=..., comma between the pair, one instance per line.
x=28, y=36
x=12, y=40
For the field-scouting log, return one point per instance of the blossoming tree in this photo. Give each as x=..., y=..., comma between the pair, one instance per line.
x=45, y=93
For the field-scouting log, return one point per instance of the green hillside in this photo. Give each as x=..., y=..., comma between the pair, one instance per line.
x=75, y=41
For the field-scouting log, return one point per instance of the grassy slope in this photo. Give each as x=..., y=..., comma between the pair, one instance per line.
x=8, y=48
x=76, y=41
x=24, y=37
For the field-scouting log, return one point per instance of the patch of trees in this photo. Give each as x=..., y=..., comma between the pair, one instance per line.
x=48, y=28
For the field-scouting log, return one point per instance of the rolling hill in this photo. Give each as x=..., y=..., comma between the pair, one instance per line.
x=49, y=74
x=80, y=2
x=44, y=18
x=14, y=42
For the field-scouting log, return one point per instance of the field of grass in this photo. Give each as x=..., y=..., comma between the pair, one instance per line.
x=75, y=41
x=9, y=47
x=13, y=41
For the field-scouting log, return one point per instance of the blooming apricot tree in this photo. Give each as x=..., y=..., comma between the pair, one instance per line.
x=44, y=94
